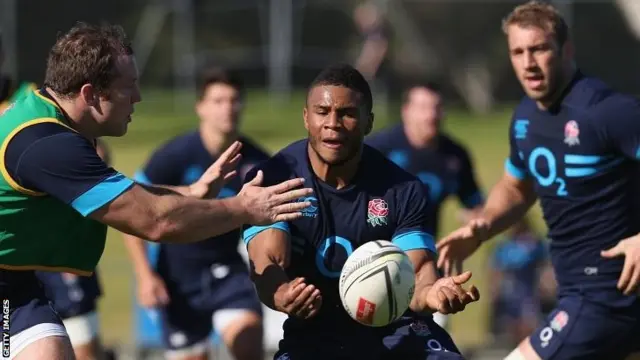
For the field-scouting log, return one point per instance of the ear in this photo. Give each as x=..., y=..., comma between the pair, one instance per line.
x=369, y=126
x=89, y=94
x=305, y=115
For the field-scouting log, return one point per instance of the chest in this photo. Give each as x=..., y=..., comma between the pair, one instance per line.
x=335, y=225
x=563, y=153
x=438, y=170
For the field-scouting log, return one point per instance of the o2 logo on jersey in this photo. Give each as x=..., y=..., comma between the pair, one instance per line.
x=321, y=256
x=552, y=176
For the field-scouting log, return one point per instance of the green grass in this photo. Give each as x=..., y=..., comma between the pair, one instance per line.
x=274, y=125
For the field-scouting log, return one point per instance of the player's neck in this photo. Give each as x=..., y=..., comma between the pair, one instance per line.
x=560, y=91
x=77, y=117
x=420, y=142
x=338, y=176
x=215, y=142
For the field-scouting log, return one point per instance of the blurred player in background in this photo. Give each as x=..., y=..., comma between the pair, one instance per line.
x=199, y=285
x=75, y=299
x=575, y=143
x=419, y=146
x=10, y=90
x=57, y=196
x=516, y=272
x=359, y=196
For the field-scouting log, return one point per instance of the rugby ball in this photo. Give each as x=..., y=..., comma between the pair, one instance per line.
x=377, y=283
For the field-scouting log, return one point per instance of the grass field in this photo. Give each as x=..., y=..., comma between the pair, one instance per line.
x=274, y=125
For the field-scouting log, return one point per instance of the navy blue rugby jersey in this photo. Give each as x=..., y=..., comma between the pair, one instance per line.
x=581, y=155
x=445, y=169
x=383, y=202
x=182, y=161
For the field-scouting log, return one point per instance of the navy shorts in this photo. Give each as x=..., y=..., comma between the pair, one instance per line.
x=188, y=318
x=580, y=329
x=28, y=304
x=418, y=338
x=72, y=295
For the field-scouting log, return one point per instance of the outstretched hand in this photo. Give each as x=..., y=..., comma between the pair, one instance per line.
x=218, y=174
x=447, y=296
x=280, y=202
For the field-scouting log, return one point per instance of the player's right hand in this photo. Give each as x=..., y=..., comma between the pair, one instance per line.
x=152, y=292
x=296, y=298
x=267, y=205
x=456, y=247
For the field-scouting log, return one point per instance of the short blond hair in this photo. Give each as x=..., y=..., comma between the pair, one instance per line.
x=541, y=15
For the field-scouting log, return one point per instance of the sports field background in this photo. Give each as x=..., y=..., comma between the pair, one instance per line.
x=274, y=125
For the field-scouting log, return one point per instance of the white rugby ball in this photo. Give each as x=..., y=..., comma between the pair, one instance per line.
x=377, y=283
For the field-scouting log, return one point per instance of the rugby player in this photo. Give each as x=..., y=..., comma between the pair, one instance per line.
x=207, y=283
x=574, y=145
x=419, y=146
x=57, y=196
x=359, y=196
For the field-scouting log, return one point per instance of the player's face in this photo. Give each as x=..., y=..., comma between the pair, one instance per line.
x=536, y=59
x=422, y=112
x=337, y=122
x=113, y=113
x=220, y=108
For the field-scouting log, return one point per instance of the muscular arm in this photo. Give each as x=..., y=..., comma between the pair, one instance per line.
x=54, y=160
x=159, y=214
x=269, y=255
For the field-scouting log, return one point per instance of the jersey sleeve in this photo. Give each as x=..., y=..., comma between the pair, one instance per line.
x=620, y=120
x=275, y=171
x=468, y=191
x=515, y=165
x=412, y=223
x=163, y=168
x=52, y=159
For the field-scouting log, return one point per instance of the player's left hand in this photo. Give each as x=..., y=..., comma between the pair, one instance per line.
x=630, y=249
x=447, y=296
x=218, y=174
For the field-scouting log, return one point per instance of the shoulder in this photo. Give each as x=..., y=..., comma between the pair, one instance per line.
x=599, y=101
x=252, y=150
x=453, y=146
x=384, y=137
x=178, y=145
x=284, y=165
x=386, y=173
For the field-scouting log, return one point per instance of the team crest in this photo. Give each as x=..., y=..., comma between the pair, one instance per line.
x=420, y=328
x=559, y=321
x=377, y=212
x=571, y=133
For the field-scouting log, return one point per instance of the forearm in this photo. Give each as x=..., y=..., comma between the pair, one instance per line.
x=506, y=204
x=268, y=281
x=185, y=219
x=138, y=255
x=161, y=215
x=426, y=276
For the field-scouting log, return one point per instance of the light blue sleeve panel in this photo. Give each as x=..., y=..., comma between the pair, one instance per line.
x=415, y=240
x=141, y=177
x=249, y=233
x=101, y=194
x=514, y=170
